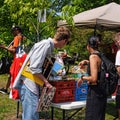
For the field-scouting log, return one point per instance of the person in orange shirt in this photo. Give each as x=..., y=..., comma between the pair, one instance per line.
x=12, y=48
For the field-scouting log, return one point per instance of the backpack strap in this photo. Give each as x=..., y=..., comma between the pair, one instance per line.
x=97, y=53
x=100, y=54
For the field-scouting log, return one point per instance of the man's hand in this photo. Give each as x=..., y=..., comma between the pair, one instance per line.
x=49, y=86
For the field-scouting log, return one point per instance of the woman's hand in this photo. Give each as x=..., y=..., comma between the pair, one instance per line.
x=80, y=81
x=83, y=63
x=2, y=46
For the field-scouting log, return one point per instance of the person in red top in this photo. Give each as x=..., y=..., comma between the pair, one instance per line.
x=17, y=33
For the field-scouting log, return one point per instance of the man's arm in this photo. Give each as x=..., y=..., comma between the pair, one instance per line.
x=118, y=69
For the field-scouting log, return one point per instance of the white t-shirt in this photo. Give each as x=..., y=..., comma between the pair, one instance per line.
x=117, y=62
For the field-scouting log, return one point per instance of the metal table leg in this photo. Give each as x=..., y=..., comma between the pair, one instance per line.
x=17, y=109
x=73, y=114
x=52, y=113
x=63, y=114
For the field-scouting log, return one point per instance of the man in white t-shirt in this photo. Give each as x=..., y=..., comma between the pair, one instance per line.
x=117, y=63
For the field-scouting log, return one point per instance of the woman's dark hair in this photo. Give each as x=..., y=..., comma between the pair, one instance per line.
x=16, y=28
x=93, y=42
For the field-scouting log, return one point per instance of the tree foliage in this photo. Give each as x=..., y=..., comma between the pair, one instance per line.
x=25, y=13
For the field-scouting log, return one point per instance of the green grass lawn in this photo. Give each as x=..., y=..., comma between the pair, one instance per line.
x=8, y=108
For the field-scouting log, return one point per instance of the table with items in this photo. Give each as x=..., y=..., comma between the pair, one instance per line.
x=68, y=95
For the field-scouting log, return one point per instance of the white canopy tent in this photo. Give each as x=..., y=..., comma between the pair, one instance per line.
x=107, y=17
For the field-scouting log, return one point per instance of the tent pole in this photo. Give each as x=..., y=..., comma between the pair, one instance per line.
x=95, y=30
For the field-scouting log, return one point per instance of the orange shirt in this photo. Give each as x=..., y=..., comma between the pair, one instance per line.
x=17, y=40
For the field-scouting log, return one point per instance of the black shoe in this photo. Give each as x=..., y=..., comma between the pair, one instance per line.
x=3, y=91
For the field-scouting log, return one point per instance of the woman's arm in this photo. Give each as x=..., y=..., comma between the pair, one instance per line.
x=10, y=48
x=93, y=69
x=93, y=59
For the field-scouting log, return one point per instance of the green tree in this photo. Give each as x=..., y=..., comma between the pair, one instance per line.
x=25, y=13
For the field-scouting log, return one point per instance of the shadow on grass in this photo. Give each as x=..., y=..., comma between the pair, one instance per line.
x=111, y=109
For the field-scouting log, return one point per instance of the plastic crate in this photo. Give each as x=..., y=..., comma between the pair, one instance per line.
x=81, y=97
x=81, y=92
x=65, y=91
x=78, y=75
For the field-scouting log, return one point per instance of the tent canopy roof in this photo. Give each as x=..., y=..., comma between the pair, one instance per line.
x=107, y=16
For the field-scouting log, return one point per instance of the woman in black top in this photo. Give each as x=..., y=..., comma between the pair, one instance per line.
x=96, y=101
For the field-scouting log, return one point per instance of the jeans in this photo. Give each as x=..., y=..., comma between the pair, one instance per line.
x=29, y=102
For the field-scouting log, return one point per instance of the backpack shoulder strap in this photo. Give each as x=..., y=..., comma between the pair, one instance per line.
x=97, y=53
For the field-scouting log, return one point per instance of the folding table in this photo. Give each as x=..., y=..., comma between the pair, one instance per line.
x=78, y=105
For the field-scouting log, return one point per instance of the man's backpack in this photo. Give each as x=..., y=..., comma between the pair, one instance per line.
x=5, y=63
x=108, y=76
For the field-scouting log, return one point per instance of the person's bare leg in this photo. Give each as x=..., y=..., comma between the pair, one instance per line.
x=119, y=114
x=5, y=89
x=8, y=82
